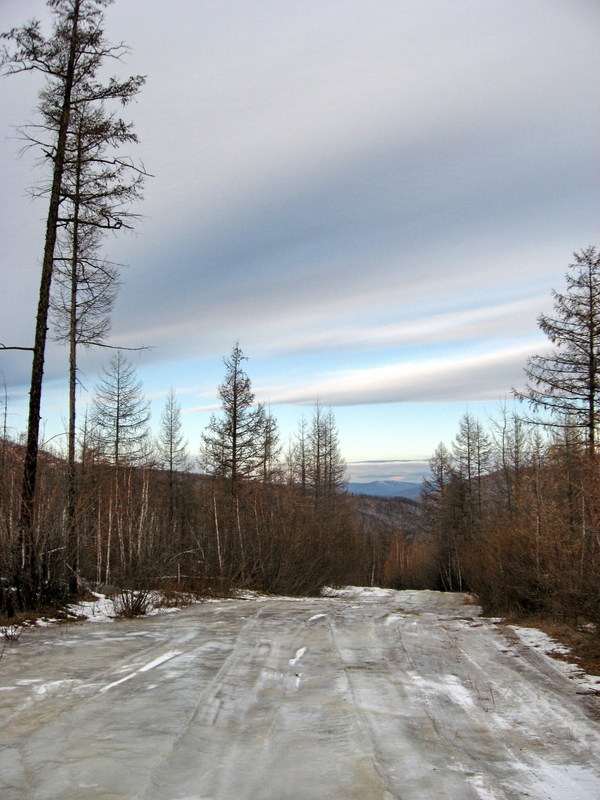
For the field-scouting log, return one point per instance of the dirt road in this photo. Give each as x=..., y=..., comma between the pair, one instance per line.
x=370, y=695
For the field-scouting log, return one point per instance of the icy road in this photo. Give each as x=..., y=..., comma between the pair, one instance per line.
x=368, y=695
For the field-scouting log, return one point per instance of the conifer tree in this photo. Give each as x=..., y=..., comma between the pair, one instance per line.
x=566, y=383
x=120, y=414
x=233, y=442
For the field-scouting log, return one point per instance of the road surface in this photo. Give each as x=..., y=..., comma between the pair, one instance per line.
x=369, y=695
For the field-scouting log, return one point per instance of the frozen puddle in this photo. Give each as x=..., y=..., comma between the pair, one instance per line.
x=365, y=694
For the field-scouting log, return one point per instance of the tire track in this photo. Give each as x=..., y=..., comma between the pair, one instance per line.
x=243, y=728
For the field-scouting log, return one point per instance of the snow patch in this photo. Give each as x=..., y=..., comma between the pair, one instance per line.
x=297, y=657
x=448, y=686
x=482, y=788
x=100, y=610
x=103, y=609
x=391, y=618
x=116, y=683
x=52, y=687
x=539, y=640
x=363, y=592
x=544, y=644
x=160, y=660
x=568, y=780
x=150, y=665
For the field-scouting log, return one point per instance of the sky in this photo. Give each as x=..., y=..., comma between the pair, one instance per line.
x=374, y=198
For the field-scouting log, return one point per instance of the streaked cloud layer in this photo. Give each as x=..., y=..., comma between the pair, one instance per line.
x=374, y=198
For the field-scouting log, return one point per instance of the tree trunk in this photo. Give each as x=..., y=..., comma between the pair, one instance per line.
x=28, y=577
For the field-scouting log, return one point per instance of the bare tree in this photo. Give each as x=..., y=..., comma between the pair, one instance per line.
x=270, y=448
x=472, y=453
x=325, y=467
x=299, y=457
x=441, y=469
x=511, y=443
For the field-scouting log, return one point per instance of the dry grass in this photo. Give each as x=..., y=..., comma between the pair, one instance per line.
x=29, y=618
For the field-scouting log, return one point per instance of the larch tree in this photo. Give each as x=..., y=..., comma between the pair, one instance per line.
x=298, y=457
x=120, y=414
x=472, y=453
x=326, y=468
x=439, y=495
x=440, y=472
x=511, y=445
x=171, y=446
x=566, y=383
x=70, y=58
x=171, y=452
x=270, y=448
x=233, y=443
x=83, y=294
x=97, y=190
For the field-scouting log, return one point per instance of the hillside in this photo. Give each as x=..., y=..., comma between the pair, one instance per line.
x=388, y=513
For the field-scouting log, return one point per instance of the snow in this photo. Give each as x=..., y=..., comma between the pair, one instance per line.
x=447, y=685
x=570, y=781
x=540, y=641
x=160, y=660
x=100, y=610
x=104, y=609
x=10, y=632
x=410, y=695
x=297, y=657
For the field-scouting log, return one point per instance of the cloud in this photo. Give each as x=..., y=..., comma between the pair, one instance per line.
x=411, y=471
x=477, y=376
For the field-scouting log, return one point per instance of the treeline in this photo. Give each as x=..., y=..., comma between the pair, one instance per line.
x=513, y=516
x=511, y=510
x=137, y=516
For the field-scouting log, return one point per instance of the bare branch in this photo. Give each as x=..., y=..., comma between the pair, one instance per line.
x=14, y=347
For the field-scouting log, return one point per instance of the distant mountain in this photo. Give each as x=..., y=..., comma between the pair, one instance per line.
x=387, y=489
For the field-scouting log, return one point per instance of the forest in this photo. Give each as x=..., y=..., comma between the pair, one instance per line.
x=509, y=512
